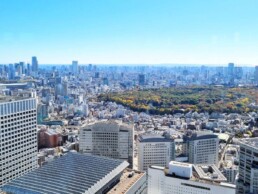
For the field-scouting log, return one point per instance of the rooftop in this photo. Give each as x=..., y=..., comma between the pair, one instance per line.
x=4, y=99
x=153, y=138
x=108, y=126
x=73, y=173
x=126, y=181
x=196, y=177
x=252, y=142
x=198, y=136
x=209, y=172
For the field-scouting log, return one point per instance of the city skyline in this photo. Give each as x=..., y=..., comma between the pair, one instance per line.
x=131, y=32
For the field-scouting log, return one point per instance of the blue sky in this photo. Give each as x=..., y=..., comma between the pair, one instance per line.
x=129, y=31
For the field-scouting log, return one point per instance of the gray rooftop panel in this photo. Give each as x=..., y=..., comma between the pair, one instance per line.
x=72, y=173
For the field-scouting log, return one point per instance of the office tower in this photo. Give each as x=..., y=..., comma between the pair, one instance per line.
x=105, y=81
x=42, y=112
x=248, y=167
x=141, y=79
x=75, y=67
x=90, y=67
x=155, y=149
x=110, y=138
x=231, y=69
x=183, y=178
x=96, y=74
x=11, y=71
x=256, y=74
x=239, y=72
x=34, y=64
x=22, y=66
x=18, y=137
x=201, y=148
x=28, y=69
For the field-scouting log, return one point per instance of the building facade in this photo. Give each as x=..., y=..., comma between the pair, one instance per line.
x=110, y=139
x=34, y=64
x=202, y=148
x=248, y=167
x=18, y=138
x=181, y=180
x=154, y=150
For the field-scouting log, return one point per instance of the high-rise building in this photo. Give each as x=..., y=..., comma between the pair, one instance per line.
x=201, y=148
x=248, y=167
x=34, y=64
x=42, y=112
x=75, y=67
x=231, y=69
x=105, y=81
x=256, y=74
x=111, y=139
x=155, y=149
x=18, y=137
x=183, y=178
x=11, y=71
x=142, y=79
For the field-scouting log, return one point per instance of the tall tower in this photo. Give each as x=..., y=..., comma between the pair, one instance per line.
x=18, y=137
x=34, y=64
x=141, y=79
x=256, y=74
x=231, y=69
x=75, y=66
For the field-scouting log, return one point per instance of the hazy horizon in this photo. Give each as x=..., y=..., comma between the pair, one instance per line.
x=129, y=32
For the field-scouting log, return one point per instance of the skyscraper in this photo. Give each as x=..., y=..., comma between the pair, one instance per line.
x=11, y=71
x=18, y=137
x=256, y=74
x=75, y=66
x=248, y=168
x=34, y=64
x=231, y=69
x=110, y=139
x=142, y=79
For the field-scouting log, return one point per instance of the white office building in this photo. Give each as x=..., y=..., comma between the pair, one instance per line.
x=18, y=137
x=183, y=178
x=154, y=149
x=248, y=167
x=108, y=138
x=202, y=148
